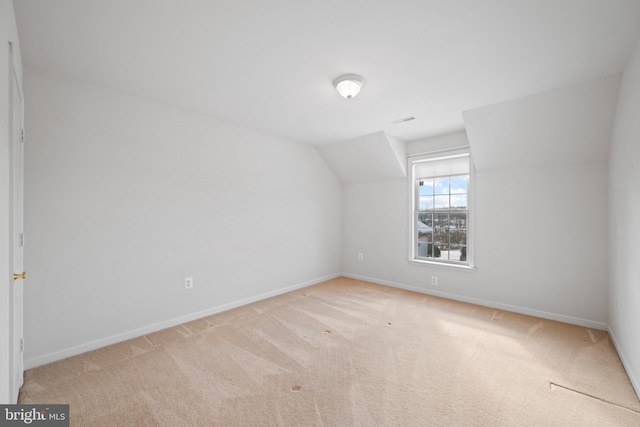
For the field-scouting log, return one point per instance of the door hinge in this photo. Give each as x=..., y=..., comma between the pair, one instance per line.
x=21, y=135
x=21, y=240
x=21, y=345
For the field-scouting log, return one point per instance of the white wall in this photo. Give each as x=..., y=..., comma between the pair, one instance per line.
x=125, y=198
x=8, y=34
x=624, y=202
x=557, y=268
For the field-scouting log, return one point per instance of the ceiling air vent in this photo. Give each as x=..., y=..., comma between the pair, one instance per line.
x=405, y=119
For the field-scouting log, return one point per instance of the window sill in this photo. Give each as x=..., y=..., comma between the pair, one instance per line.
x=458, y=267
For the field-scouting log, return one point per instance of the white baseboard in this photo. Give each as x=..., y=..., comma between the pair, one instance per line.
x=93, y=345
x=486, y=303
x=627, y=367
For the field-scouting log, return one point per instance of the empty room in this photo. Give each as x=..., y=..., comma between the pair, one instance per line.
x=330, y=213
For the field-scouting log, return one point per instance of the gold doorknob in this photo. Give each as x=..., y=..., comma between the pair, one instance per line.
x=19, y=276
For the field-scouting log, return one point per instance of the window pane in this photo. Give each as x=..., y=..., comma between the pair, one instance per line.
x=463, y=253
x=422, y=248
x=454, y=253
x=444, y=251
x=459, y=184
x=458, y=201
x=426, y=203
x=426, y=218
x=425, y=187
x=458, y=238
x=441, y=228
x=425, y=223
x=424, y=232
x=442, y=202
x=428, y=250
x=458, y=221
x=441, y=185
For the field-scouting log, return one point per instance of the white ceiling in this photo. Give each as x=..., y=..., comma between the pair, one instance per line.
x=374, y=157
x=269, y=65
x=571, y=125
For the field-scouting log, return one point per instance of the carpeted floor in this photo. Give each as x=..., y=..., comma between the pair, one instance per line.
x=348, y=353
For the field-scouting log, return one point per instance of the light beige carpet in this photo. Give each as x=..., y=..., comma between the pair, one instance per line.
x=348, y=353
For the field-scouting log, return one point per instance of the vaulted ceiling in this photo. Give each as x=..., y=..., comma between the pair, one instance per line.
x=269, y=65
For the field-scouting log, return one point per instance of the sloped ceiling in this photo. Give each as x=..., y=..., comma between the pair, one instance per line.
x=373, y=157
x=269, y=65
x=564, y=126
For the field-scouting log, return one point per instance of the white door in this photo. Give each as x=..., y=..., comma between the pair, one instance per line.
x=17, y=237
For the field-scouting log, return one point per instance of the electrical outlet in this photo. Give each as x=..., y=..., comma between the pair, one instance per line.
x=188, y=283
x=360, y=256
x=434, y=280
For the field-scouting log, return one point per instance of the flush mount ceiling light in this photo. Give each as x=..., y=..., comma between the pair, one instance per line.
x=349, y=85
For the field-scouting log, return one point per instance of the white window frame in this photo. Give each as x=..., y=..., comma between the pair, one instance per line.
x=414, y=159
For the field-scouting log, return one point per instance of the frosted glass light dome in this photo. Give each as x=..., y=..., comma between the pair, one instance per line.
x=349, y=85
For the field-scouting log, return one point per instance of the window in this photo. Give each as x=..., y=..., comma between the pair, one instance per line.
x=441, y=187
